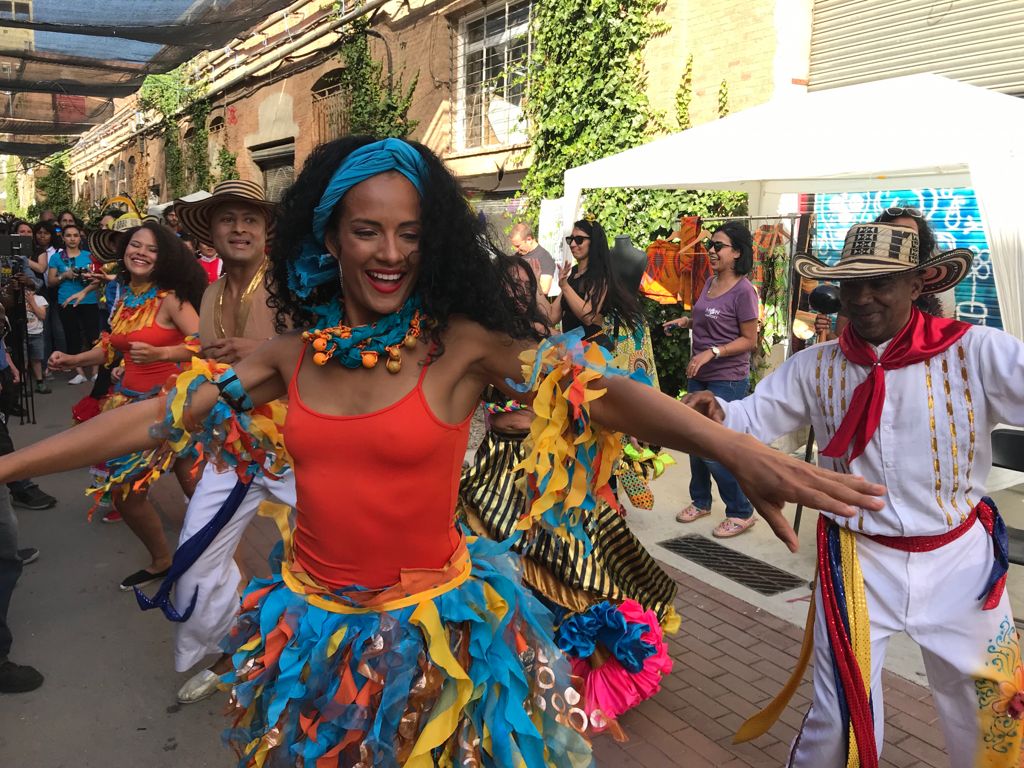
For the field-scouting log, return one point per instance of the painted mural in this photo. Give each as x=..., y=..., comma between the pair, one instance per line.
x=955, y=219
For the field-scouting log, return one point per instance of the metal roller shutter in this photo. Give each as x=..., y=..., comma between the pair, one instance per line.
x=977, y=41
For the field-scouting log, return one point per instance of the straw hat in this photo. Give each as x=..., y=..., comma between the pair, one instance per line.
x=879, y=250
x=105, y=242
x=195, y=215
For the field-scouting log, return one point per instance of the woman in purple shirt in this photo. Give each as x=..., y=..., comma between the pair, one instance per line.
x=723, y=332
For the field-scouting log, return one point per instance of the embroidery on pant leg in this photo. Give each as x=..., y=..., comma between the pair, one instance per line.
x=1000, y=689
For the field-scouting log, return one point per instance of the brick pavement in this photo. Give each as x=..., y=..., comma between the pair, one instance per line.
x=730, y=659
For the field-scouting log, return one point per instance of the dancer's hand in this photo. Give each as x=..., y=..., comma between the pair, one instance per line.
x=230, y=350
x=770, y=479
x=706, y=404
x=143, y=353
x=61, y=361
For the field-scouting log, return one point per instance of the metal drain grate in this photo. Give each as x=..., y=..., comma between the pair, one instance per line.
x=748, y=571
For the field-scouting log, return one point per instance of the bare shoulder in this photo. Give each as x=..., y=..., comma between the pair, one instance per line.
x=485, y=354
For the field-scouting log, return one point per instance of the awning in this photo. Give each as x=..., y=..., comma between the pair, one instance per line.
x=63, y=61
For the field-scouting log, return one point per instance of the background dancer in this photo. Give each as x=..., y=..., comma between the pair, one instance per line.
x=235, y=319
x=150, y=328
x=897, y=382
x=385, y=637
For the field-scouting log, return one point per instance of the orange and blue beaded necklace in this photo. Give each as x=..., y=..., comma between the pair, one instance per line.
x=361, y=346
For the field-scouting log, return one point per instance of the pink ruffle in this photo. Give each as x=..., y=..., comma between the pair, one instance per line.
x=613, y=690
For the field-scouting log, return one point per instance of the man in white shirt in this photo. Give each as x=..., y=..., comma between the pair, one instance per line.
x=907, y=400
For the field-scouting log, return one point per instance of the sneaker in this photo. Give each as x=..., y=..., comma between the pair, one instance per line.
x=77, y=379
x=141, y=579
x=32, y=498
x=94, y=377
x=15, y=678
x=113, y=516
x=42, y=388
x=28, y=555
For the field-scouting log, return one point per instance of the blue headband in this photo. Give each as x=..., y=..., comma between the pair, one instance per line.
x=315, y=266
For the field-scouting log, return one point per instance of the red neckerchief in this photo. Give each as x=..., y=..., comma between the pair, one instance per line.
x=923, y=337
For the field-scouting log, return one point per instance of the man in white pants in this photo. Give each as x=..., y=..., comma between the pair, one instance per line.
x=234, y=319
x=909, y=401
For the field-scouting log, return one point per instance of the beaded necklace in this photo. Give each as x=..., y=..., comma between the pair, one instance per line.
x=363, y=345
x=137, y=310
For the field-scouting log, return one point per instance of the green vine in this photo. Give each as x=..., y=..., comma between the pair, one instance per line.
x=723, y=99
x=227, y=164
x=378, y=105
x=684, y=95
x=197, y=150
x=173, y=95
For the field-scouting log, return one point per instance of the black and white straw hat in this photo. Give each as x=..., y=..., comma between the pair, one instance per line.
x=879, y=250
x=195, y=215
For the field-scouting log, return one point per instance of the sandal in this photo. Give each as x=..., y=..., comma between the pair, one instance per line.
x=692, y=513
x=733, y=526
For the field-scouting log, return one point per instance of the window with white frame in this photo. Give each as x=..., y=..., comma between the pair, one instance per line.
x=493, y=60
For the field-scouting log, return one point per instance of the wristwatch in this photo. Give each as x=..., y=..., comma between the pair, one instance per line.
x=716, y=352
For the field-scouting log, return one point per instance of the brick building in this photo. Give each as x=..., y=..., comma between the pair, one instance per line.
x=275, y=93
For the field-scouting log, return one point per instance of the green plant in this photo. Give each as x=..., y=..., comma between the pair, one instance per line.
x=377, y=105
x=197, y=152
x=227, y=164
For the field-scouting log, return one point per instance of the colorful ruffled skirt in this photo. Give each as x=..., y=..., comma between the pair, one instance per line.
x=456, y=667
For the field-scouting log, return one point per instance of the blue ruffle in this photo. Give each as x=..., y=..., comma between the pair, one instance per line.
x=603, y=623
x=389, y=648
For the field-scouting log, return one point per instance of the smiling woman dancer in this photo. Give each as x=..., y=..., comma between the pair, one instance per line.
x=386, y=637
x=150, y=327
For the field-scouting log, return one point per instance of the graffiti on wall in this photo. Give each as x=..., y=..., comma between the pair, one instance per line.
x=954, y=217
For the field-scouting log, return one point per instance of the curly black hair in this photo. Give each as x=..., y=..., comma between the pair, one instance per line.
x=619, y=302
x=462, y=271
x=926, y=302
x=175, y=270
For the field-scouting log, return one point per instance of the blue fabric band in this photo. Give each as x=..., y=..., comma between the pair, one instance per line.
x=314, y=266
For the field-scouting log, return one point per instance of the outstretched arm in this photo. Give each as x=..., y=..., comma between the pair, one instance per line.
x=768, y=477
x=127, y=429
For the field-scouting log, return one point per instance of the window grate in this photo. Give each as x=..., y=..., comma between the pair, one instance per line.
x=492, y=66
x=750, y=572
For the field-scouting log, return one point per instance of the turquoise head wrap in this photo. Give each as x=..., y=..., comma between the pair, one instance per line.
x=314, y=265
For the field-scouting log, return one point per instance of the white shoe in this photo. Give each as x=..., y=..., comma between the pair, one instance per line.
x=202, y=685
x=77, y=379
x=94, y=377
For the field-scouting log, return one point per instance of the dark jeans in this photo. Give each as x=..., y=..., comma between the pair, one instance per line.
x=81, y=326
x=10, y=567
x=702, y=470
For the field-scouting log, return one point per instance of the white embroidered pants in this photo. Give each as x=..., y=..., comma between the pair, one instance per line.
x=933, y=597
x=215, y=572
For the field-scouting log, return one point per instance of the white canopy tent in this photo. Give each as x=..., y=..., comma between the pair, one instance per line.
x=906, y=132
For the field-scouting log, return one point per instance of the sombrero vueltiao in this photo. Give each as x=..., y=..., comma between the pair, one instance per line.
x=105, y=242
x=195, y=216
x=878, y=250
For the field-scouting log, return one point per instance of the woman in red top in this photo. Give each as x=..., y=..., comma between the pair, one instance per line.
x=149, y=327
x=385, y=635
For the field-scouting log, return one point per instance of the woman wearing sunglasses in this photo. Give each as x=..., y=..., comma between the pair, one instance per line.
x=723, y=331
x=590, y=288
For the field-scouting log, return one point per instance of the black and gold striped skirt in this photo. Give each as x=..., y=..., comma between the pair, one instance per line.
x=618, y=567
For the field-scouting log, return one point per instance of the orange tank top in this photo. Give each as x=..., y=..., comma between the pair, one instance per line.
x=143, y=377
x=375, y=493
